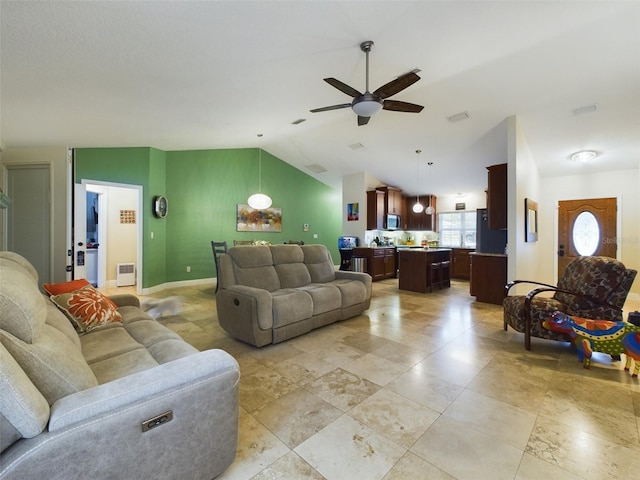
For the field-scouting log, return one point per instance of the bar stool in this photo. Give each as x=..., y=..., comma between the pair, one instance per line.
x=445, y=273
x=435, y=275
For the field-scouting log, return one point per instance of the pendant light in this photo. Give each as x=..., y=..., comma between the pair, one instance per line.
x=418, y=207
x=430, y=210
x=259, y=201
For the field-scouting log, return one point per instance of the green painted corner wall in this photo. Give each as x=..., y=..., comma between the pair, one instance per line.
x=203, y=188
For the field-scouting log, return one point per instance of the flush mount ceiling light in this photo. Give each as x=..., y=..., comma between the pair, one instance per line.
x=584, y=156
x=259, y=201
x=418, y=207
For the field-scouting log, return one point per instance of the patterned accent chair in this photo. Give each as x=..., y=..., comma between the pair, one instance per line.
x=590, y=287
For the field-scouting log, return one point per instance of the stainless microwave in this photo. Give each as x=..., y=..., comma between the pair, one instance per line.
x=392, y=222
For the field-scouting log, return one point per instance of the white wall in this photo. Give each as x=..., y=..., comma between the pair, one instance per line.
x=538, y=260
x=354, y=191
x=622, y=184
x=526, y=259
x=121, y=237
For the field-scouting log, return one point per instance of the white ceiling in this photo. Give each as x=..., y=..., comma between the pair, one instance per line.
x=213, y=74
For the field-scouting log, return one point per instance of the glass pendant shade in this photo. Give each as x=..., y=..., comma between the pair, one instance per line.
x=429, y=210
x=418, y=207
x=259, y=201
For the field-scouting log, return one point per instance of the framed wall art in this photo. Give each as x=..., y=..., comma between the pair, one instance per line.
x=264, y=221
x=530, y=220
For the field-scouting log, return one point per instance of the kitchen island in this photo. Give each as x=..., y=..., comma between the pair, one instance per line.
x=415, y=266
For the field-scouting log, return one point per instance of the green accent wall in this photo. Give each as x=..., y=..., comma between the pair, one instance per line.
x=203, y=188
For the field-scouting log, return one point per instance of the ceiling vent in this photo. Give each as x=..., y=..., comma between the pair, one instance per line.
x=356, y=146
x=458, y=117
x=316, y=168
x=586, y=109
x=298, y=121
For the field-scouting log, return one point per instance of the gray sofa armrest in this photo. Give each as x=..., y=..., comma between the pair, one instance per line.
x=134, y=389
x=125, y=300
x=359, y=276
x=201, y=391
x=246, y=313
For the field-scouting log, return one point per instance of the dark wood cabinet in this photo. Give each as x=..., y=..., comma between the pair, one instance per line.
x=497, y=196
x=393, y=198
x=420, y=221
x=461, y=263
x=375, y=209
x=488, y=277
x=414, y=268
x=381, y=261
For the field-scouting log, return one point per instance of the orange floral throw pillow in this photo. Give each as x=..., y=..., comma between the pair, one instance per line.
x=87, y=308
x=65, y=287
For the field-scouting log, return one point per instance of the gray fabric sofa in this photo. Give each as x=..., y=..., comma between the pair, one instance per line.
x=74, y=406
x=268, y=294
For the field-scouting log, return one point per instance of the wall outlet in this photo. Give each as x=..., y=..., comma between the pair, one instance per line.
x=315, y=235
x=188, y=269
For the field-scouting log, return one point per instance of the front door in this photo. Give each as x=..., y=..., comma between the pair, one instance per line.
x=586, y=227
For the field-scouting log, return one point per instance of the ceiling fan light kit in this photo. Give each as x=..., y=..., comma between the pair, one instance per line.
x=367, y=104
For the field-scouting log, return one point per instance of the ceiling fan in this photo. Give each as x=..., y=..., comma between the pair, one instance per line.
x=367, y=104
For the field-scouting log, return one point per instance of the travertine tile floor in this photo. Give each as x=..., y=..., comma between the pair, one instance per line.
x=422, y=386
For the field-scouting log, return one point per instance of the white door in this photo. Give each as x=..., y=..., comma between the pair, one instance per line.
x=29, y=216
x=79, y=231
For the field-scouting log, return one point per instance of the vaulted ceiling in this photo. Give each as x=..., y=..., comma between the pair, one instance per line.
x=214, y=74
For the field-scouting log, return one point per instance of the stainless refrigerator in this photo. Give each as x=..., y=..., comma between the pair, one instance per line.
x=488, y=240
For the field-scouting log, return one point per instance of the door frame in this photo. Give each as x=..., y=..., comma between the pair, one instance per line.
x=139, y=226
x=556, y=228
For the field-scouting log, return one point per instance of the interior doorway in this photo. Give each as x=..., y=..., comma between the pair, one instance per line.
x=117, y=231
x=586, y=227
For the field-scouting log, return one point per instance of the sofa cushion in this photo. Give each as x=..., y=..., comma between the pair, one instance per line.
x=22, y=305
x=59, y=321
x=288, y=261
x=19, y=262
x=325, y=297
x=87, y=308
x=52, y=362
x=22, y=405
x=291, y=306
x=353, y=292
x=253, y=267
x=318, y=262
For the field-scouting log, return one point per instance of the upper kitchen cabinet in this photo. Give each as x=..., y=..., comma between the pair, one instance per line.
x=420, y=221
x=497, y=197
x=375, y=209
x=393, y=200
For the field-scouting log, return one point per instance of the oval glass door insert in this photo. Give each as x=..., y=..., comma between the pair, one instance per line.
x=586, y=233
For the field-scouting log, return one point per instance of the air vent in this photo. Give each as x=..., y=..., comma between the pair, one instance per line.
x=356, y=146
x=316, y=168
x=586, y=109
x=458, y=117
x=298, y=121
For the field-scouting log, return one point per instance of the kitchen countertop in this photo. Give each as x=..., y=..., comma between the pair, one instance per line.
x=488, y=254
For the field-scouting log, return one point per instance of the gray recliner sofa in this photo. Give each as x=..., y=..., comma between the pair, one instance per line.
x=268, y=294
x=124, y=400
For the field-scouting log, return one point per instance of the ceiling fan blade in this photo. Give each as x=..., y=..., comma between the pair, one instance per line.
x=397, y=85
x=397, y=106
x=343, y=87
x=331, y=107
x=362, y=120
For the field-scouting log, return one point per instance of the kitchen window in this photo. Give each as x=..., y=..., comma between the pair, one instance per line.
x=457, y=229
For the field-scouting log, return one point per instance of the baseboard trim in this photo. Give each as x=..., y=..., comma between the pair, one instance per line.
x=178, y=284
